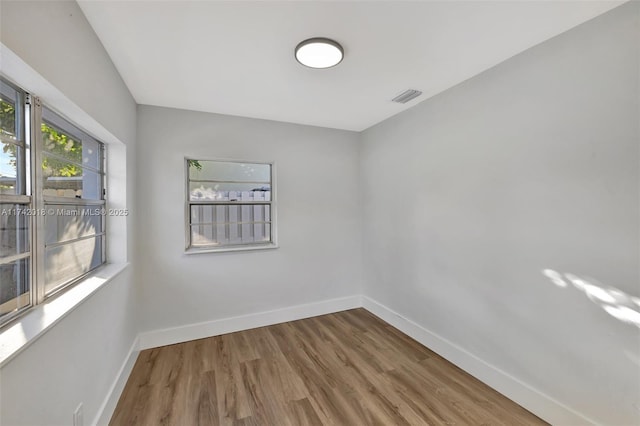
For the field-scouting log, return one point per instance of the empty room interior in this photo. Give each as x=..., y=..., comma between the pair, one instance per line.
x=319, y=212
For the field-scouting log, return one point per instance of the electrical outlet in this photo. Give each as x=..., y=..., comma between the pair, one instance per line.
x=77, y=416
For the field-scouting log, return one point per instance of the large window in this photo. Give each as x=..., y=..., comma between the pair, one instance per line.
x=230, y=205
x=52, y=221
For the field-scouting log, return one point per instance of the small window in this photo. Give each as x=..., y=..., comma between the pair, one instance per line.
x=230, y=205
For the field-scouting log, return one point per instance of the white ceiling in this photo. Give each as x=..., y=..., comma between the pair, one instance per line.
x=236, y=57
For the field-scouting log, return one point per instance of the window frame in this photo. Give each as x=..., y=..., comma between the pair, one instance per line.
x=272, y=244
x=31, y=197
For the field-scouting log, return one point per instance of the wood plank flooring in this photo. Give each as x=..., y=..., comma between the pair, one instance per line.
x=348, y=368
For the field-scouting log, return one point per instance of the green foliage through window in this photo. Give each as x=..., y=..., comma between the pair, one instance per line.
x=7, y=118
x=195, y=163
x=8, y=128
x=64, y=146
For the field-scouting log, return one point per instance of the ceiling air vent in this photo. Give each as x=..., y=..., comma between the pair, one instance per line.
x=406, y=96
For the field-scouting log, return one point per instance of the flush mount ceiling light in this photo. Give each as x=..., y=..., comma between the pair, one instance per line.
x=319, y=52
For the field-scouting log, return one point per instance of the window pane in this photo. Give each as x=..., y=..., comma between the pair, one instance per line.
x=68, y=261
x=63, y=179
x=8, y=117
x=14, y=229
x=230, y=234
x=14, y=286
x=230, y=213
x=214, y=191
x=83, y=152
x=71, y=222
x=229, y=171
x=227, y=225
x=10, y=155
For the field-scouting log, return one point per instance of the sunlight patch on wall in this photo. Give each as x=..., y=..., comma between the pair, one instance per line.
x=615, y=302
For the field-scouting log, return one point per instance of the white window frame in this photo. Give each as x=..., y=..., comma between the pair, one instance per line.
x=190, y=249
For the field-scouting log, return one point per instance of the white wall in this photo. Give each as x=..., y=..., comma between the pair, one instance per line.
x=318, y=218
x=528, y=166
x=55, y=38
x=78, y=359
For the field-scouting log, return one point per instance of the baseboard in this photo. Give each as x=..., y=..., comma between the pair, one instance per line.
x=109, y=404
x=533, y=400
x=170, y=336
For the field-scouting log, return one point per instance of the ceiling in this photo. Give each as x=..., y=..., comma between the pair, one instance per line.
x=236, y=57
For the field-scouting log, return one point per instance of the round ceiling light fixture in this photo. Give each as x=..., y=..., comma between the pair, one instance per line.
x=319, y=52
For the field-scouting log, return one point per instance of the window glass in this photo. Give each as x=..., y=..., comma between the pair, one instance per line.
x=63, y=263
x=14, y=229
x=226, y=171
x=223, y=191
x=8, y=112
x=73, y=231
x=230, y=204
x=231, y=234
x=63, y=179
x=9, y=157
x=15, y=235
x=14, y=288
x=71, y=222
x=71, y=149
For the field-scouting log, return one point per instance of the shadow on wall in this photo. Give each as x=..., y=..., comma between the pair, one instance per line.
x=615, y=302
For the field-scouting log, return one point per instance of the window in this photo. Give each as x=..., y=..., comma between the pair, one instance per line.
x=52, y=221
x=230, y=205
x=15, y=197
x=72, y=187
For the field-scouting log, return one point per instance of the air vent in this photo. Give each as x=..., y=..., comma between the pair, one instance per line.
x=406, y=96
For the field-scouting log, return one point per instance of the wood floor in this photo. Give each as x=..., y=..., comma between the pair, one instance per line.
x=348, y=368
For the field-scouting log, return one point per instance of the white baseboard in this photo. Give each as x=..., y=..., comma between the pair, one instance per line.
x=170, y=336
x=538, y=403
x=109, y=404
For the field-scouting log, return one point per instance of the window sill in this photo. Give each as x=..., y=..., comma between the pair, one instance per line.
x=193, y=250
x=39, y=319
